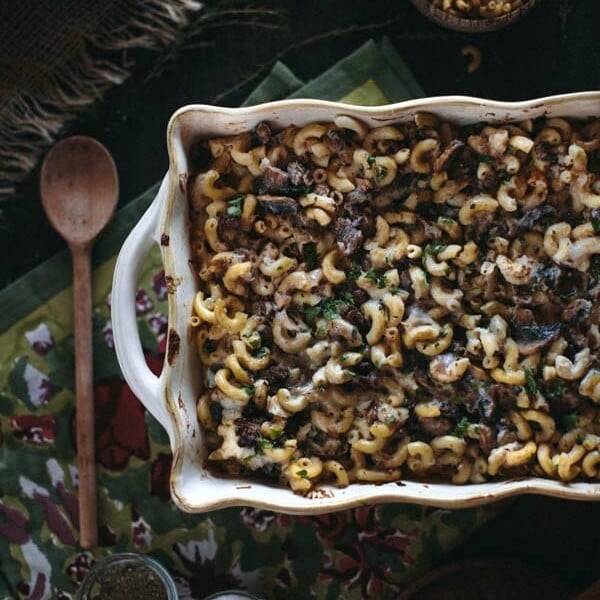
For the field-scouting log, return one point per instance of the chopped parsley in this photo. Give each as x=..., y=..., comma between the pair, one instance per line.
x=249, y=390
x=347, y=297
x=556, y=389
x=530, y=383
x=432, y=250
x=274, y=432
x=311, y=314
x=379, y=280
x=370, y=160
x=234, y=206
x=461, y=427
x=253, y=339
x=380, y=173
x=260, y=352
x=329, y=308
x=303, y=473
x=355, y=272
x=569, y=421
x=596, y=224
x=263, y=444
x=310, y=255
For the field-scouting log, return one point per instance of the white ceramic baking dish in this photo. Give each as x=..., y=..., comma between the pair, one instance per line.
x=171, y=398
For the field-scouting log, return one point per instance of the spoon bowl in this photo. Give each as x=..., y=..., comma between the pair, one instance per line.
x=79, y=186
x=79, y=190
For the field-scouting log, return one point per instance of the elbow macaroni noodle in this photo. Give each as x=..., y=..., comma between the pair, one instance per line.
x=412, y=300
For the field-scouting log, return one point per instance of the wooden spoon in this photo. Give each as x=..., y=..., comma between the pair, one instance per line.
x=79, y=189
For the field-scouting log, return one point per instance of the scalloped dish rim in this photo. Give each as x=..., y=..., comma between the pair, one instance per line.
x=193, y=487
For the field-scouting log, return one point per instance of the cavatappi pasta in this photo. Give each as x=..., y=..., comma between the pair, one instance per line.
x=415, y=300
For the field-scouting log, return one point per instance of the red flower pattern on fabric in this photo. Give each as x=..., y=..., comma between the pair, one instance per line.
x=121, y=430
x=37, y=430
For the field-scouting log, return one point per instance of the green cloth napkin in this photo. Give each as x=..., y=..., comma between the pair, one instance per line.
x=369, y=551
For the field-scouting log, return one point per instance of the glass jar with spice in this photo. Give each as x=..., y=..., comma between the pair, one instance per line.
x=127, y=576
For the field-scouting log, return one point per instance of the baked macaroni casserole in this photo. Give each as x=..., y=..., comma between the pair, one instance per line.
x=414, y=300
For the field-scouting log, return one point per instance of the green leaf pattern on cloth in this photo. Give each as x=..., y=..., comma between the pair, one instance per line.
x=365, y=552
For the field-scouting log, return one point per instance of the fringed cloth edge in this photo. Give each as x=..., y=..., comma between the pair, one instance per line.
x=30, y=123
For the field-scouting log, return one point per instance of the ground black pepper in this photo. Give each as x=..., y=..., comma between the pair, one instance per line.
x=128, y=582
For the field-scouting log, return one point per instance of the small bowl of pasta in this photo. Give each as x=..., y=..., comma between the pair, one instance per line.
x=474, y=15
x=384, y=304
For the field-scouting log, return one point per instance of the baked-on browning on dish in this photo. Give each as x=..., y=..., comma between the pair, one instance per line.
x=416, y=300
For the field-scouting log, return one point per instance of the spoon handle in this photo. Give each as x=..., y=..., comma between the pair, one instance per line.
x=84, y=388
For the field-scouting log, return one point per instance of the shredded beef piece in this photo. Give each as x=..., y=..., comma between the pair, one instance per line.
x=322, y=189
x=299, y=175
x=435, y=426
x=486, y=405
x=270, y=470
x=264, y=308
x=359, y=296
x=276, y=377
x=432, y=232
x=502, y=395
x=274, y=179
x=540, y=215
x=336, y=143
x=247, y=431
x=371, y=412
x=487, y=438
x=521, y=316
x=366, y=224
x=231, y=233
x=506, y=436
x=278, y=205
x=450, y=153
x=354, y=316
x=349, y=238
x=489, y=180
x=541, y=152
x=326, y=446
x=364, y=368
x=266, y=336
x=261, y=135
x=571, y=284
x=359, y=195
x=577, y=310
x=447, y=407
x=464, y=166
x=565, y=403
x=533, y=338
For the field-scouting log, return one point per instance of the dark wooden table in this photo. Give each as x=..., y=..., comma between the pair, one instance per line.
x=556, y=49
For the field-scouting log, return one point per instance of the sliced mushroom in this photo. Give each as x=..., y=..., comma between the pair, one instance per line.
x=278, y=205
x=532, y=338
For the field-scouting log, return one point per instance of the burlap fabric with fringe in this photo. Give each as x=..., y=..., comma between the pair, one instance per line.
x=58, y=56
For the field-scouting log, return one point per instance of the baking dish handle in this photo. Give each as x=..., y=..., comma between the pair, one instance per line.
x=144, y=384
